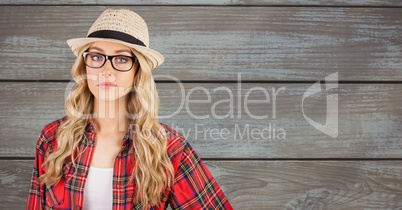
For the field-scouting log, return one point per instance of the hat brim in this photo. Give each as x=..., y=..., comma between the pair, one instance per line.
x=152, y=55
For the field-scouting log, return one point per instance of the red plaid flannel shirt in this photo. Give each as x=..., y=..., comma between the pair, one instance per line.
x=193, y=187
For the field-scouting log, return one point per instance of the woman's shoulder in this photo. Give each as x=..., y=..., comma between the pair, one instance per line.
x=49, y=131
x=176, y=141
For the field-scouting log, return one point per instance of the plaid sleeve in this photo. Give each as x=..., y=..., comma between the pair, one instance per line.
x=35, y=198
x=194, y=187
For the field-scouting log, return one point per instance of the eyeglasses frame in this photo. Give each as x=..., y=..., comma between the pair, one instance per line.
x=109, y=57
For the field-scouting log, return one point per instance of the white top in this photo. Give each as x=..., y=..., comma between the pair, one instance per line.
x=98, y=191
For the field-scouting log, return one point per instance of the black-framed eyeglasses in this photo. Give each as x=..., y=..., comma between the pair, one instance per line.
x=119, y=62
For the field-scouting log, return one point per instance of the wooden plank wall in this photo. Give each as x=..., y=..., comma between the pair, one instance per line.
x=234, y=51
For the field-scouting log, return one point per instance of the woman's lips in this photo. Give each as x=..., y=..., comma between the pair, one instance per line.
x=106, y=85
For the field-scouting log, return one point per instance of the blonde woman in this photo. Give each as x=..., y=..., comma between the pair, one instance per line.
x=110, y=151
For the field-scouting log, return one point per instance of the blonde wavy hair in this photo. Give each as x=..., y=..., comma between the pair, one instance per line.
x=153, y=171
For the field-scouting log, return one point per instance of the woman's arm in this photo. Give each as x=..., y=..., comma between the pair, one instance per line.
x=36, y=191
x=194, y=187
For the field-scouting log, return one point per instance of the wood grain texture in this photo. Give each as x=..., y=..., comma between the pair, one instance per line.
x=377, y=3
x=270, y=184
x=217, y=43
x=369, y=119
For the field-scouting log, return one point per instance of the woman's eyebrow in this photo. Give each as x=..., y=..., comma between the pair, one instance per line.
x=102, y=51
x=96, y=48
x=120, y=51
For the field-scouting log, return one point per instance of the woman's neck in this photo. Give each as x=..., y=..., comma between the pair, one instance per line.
x=110, y=116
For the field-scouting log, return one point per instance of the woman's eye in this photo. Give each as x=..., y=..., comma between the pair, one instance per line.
x=122, y=59
x=96, y=57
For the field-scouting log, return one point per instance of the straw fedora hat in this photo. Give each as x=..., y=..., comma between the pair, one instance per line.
x=120, y=26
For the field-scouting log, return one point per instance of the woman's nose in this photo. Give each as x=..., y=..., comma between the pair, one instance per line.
x=108, y=76
x=108, y=72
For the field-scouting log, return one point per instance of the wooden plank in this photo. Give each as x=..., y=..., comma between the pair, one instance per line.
x=218, y=43
x=270, y=184
x=369, y=118
x=212, y=2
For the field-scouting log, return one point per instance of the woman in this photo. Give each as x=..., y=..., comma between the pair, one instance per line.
x=110, y=151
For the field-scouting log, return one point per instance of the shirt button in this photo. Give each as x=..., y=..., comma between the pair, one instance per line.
x=78, y=207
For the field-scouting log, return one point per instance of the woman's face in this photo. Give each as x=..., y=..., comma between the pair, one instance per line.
x=106, y=83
